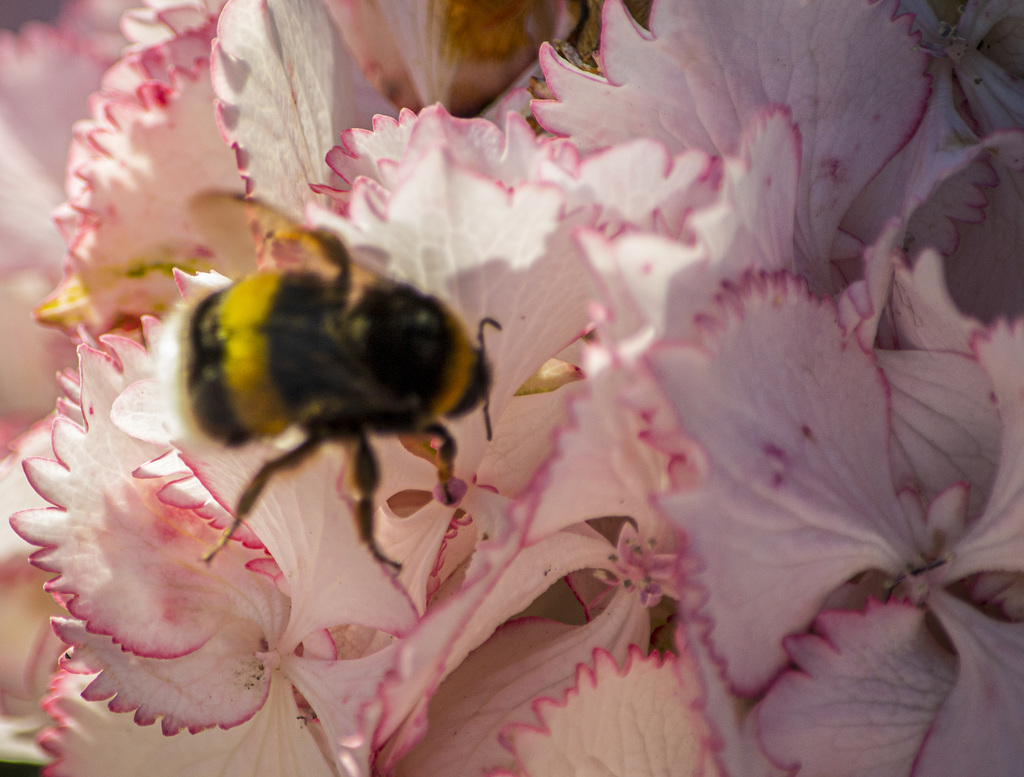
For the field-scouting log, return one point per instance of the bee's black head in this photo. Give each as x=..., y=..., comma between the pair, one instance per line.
x=417, y=347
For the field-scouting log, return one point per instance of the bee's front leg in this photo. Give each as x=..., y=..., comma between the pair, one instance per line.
x=451, y=488
x=247, y=500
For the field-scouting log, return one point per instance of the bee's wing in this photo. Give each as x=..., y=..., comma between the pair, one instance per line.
x=231, y=225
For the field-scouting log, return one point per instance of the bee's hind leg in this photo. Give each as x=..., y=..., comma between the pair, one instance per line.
x=247, y=500
x=363, y=477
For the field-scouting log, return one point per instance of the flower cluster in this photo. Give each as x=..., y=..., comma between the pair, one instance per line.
x=752, y=503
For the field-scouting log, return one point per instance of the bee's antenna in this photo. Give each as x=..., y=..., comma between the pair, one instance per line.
x=487, y=397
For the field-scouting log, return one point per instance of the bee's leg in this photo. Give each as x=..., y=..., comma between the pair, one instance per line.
x=259, y=481
x=363, y=477
x=445, y=463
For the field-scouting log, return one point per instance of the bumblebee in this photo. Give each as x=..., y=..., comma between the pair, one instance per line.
x=336, y=358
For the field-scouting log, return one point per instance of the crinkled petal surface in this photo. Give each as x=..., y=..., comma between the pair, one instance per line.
x=132, y=171
x=942, y=146
x=639, y=719
x=797, y=496
x=502, y=577
x=868, y=683
x=90, y=739
x=738, y=214
x=495, y=685
x=848, y=71
x=221, y=683
x=602, y=466
x=128, y=564
x=286, y=88
x=512, y=157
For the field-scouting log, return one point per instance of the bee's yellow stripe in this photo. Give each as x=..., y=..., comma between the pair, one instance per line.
x=244, y=309
x=459, y=371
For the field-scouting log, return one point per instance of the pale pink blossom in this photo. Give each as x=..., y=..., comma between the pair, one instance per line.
x=738, y=419
x=696, y=80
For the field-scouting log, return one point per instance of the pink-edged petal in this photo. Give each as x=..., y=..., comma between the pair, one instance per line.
x=751, y=224
x=741, y=217
x=641, y=718
x=868, y=684
x=945, y=427
x=995, y=541
x=127, y=562
x=602, y=467
x=512, y=157
x=429, y=653
x=328, y=574
x=155, y=594
x=502, y=577
x=417, y=540
x=797, y=495
x=694, y=80
x=737, y=749
x=863, y=304
x=90, y=739
x=163, y=19
x=16, y=493
x=371, y=153
x=648, y=284
x=931, y=176
x=607, y=463
x=638, y=185
x=975, y=729
x=496, y=685
x=923, y=313
x=958, y=199
x=286, y=89
x=984, y=273
x=132, y=172
x=421, y=541
x=222, y=683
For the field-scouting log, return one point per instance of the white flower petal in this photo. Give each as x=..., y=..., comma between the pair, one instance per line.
x=640, y=719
